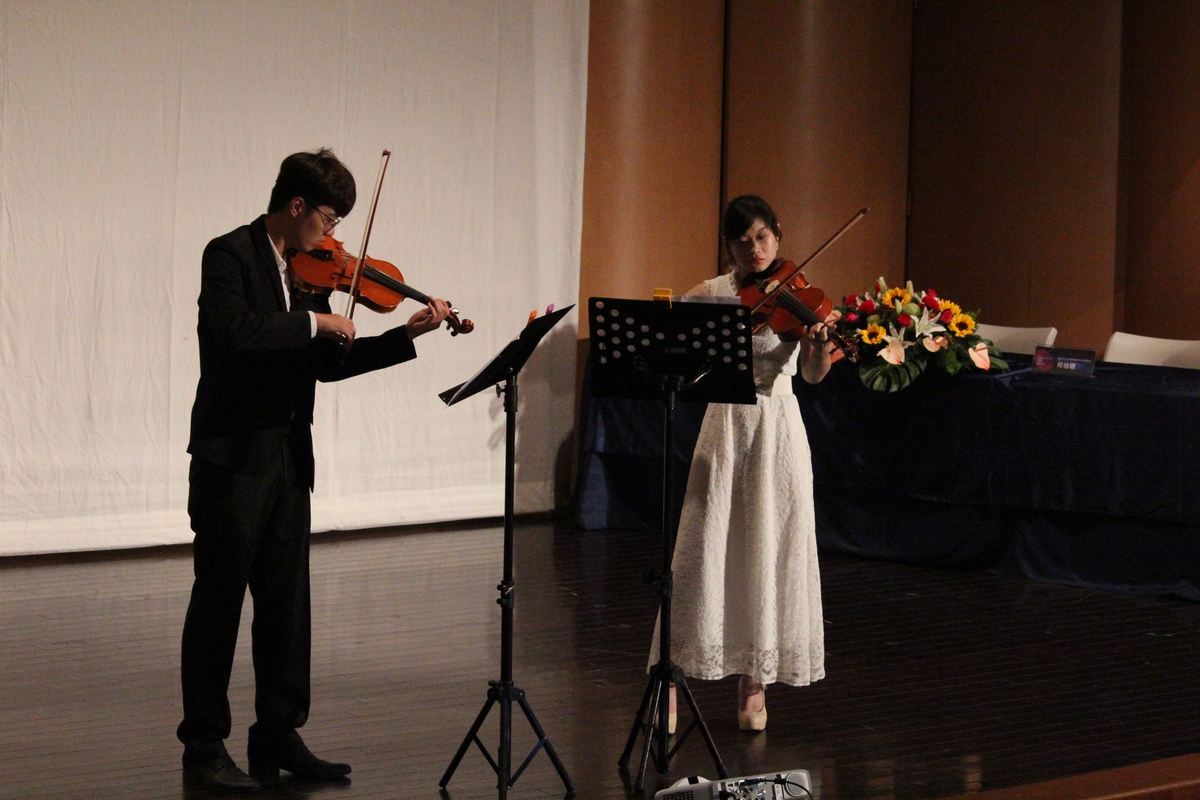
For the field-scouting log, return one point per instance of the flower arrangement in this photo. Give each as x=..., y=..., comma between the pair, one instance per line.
x=900, y=332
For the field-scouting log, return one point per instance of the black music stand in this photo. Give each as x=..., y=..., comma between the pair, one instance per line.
x=504, y=368
x=691, y=351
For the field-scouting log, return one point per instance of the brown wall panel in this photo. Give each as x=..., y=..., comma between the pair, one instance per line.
x=1015, y=121
x=1161, y=140
x=817, y=124
x=651, y=186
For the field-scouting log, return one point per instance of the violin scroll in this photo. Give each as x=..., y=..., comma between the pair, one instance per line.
x=456, y=325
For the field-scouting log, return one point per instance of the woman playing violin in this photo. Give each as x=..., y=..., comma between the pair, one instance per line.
x=747, y=587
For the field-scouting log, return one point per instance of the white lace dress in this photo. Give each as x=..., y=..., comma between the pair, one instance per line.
x=747, y=596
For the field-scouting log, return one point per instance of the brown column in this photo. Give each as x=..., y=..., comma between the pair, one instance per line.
x=1015, y=110
x=652, y=158
x=1161, y=141
x=817, y=124
x=651, y=184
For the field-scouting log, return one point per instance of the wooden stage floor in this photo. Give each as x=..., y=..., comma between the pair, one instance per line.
x=940, y=682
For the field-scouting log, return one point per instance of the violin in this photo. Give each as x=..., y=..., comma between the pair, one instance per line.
x=328, y=267
x=789, y=304
x=378, y=284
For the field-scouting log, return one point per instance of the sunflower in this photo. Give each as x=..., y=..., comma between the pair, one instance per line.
x=896, y=298
x=873, y=334
x=962, y=325
x=953, y=308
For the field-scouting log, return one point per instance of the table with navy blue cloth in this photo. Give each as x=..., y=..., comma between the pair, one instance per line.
x=1085, y=481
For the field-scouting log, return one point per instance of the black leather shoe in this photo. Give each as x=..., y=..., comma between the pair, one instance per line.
x=267, y=757
x=219, y=771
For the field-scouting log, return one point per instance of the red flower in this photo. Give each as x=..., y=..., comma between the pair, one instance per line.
x=930, y=293
x=867, y=307
x=878, y=288
x=931, y=302
x=851, y=301
x=947, y=315
x=851, y=317
x=905, y=320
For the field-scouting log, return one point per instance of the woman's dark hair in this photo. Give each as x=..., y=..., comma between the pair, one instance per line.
x=317, y=177
x=740, y=215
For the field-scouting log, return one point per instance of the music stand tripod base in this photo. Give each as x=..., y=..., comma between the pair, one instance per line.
x=693, y=351
x=504, y=368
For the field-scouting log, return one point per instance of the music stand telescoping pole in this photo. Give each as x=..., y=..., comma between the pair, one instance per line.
x=504, y=368
x=692, y=351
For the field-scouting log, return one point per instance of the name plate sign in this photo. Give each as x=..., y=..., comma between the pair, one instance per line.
x=1061, y=361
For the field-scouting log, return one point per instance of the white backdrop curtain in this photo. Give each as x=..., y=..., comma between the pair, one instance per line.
x=131, y=133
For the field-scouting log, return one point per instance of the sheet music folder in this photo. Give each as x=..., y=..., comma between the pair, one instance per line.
x=510, y=360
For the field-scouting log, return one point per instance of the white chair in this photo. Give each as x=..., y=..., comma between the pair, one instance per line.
x=1126, y=348
x=1017, y=340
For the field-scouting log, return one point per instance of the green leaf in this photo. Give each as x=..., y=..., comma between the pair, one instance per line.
x=948, y=360
x=880, y=376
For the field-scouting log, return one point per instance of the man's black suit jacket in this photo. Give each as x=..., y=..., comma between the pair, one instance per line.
x=258, y=361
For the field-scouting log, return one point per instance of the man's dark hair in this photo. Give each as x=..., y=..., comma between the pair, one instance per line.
x=317, y=177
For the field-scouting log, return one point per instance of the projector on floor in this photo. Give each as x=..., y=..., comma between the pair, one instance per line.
x=773, y=786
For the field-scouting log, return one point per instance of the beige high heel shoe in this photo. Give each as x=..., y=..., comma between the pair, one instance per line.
x=749, y=720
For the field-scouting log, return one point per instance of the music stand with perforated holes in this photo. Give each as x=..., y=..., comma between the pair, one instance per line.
x=697, y=351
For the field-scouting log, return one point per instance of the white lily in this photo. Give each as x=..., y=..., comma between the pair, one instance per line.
x=927, y=325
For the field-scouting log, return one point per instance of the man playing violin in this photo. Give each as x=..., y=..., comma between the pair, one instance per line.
x=263, y=347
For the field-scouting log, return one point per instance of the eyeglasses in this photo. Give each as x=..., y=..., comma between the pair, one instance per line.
x=330, y=222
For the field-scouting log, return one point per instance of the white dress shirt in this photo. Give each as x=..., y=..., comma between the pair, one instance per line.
x=287, y=288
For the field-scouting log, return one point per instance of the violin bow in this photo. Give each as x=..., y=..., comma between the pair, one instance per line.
x=782, y=282
x=362, y=251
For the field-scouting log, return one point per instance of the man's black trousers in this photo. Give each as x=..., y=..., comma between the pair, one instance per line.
x=251, y=522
